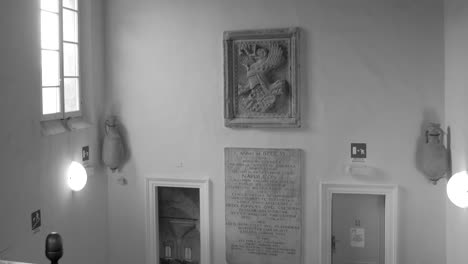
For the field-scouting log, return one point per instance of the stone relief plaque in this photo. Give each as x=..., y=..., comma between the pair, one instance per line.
x=260, y=78
x=263, y=206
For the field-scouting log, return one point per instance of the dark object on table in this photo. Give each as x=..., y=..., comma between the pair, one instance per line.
x=54, y=247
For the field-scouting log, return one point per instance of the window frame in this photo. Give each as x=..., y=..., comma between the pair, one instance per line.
x=62, y=114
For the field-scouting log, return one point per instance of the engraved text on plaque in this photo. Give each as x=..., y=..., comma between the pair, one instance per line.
x=263, y=206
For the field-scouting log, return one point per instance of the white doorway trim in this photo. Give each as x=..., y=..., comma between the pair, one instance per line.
x=152, y=232
x=391, y=215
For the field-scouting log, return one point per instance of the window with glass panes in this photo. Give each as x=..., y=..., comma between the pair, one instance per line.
x=60, y=59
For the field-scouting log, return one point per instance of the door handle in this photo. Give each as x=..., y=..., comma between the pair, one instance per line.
x=333, y=243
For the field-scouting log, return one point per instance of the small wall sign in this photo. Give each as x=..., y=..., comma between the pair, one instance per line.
x=357, y=236
x=358, y=150
x=85, y=153
x=36, y=221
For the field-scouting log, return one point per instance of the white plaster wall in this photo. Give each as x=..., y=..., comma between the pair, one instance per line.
x=372, y=71
x=33, y=166
x=456, y=109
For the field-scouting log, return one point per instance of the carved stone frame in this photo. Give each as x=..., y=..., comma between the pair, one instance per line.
x=231, y=117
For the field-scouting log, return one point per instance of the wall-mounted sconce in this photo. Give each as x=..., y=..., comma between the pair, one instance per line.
x=76, y=176
x=112, y=148
x=457, y=189
x=434, y=158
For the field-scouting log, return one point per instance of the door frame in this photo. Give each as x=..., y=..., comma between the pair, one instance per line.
x=391, y=215
x=152, y=231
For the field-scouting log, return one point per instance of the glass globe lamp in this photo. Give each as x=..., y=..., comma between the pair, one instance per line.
x=76, y=176
x=457, y=189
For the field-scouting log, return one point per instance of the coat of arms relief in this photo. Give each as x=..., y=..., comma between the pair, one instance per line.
x=260, y=78
x=262, y=88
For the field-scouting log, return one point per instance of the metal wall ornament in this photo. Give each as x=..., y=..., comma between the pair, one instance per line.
x=261, y=78
x=434, y=155
x=113, y=153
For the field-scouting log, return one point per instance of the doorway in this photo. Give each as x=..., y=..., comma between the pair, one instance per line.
x=358, y=224
x=358, y=228
x=177, y=221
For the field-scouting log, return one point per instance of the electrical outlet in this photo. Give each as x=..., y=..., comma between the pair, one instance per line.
x=85, y=153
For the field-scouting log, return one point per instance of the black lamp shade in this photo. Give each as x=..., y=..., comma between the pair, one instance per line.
x=54, y=247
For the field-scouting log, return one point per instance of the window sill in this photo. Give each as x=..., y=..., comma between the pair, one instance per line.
x=59, y=126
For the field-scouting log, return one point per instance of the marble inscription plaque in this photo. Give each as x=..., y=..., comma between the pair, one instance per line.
x=263, y=206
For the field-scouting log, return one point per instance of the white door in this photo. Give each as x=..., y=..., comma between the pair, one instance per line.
x=358, y=229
